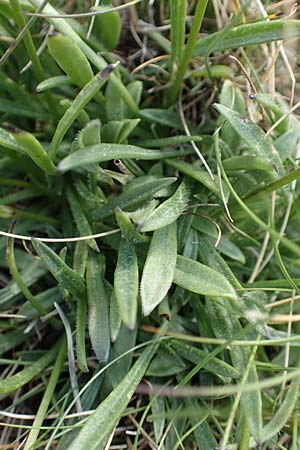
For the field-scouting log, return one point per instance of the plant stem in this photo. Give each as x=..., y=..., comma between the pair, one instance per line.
x=287, y=243
x=192, y=39
x=274, y=185
x=40, y=415
x=178, y=13
x=18, y=279
x=19, y=18
x=36, y=64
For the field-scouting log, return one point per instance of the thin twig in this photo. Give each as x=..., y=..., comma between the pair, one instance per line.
x=89, y=32
x=79, y=15
x=282, y=118
x=39, y=50
x=187, y=131
x=71, y=358
x=57, y=240
x=21, y=34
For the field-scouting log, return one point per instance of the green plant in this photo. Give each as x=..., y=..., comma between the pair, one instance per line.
x=159, y=207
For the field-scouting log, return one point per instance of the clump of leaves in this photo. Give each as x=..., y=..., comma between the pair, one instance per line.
x=158, y=201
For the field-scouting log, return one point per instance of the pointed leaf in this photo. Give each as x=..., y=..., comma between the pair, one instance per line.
x=168, y=211
x=196, y=355
x=106, y=152
x=260, y=32
x=96, y=431
x=252, y=135
x=67, y=277
x=127, y=282
x=201, y=279
x=159, y=267
x=98, y=306
x=14, y=382
x=81, y=221
x=133, y=196
x=199, y=174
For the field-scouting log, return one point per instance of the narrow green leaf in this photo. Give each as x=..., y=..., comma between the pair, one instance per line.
x=178, y=13
x=126, y=226
x=79, y=265
x=252, y=405
x=82, y=223
x=200, y=175
x=231, y=250
x=80, y=257
x=134, y=196
x=249, y=34
x=67, y=277
x=127, y=282
x=247, y=162
x=114, y=317
x=163, y=117
x=32, y=147
x=201, y=279
x=226, y=324
x=231, y=97
x=47, y=397
x=18, y=380
x=70, y=58
x=215, y=365
x=53, y=82
x=286, y=143
x=276, y=284
x=283, y=413
x=81, y=321
x=45, y=298
x=82, y=118
x=126, y=339
x=108, y=27
x=169, y=210
x=11, y=261
x=204, y=436
x=252, y=135
x=166, y=363
x=97, y=429
x=114, y=103
x=29, y=44
x=167, y=141
x=135, y=89
x=273, y=105
x=117, y=131
x=98, y=306
x=273, y=186
x=215, y=71
x=188, y=49
x=158, y=411
x=82, y=99
x=7, y=141
x=12, y=339
x=159, y=267
x=107, y=152
x=30, y=274
x=244, y=436
x=210, y=256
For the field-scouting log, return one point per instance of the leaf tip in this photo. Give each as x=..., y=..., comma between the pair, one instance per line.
x=60, y=167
